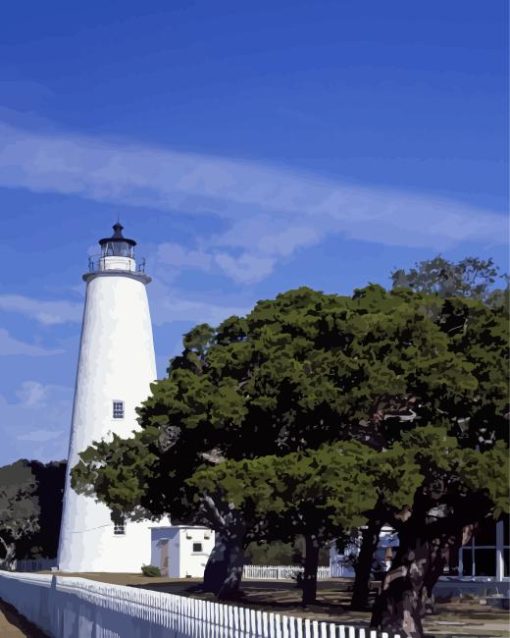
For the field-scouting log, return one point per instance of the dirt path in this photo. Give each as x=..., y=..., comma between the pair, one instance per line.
x=12, y=625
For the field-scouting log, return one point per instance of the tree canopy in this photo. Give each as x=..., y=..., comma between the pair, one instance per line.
x=470, y=277
x=30, y=509
x=315, y=410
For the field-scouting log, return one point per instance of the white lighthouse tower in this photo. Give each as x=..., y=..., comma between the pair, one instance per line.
x=115, y=368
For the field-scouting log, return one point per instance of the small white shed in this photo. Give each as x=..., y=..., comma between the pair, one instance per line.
x=181, y=551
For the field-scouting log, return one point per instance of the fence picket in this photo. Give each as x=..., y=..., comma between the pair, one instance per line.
x=279, y=626
x=58, y=604
x=299, y=632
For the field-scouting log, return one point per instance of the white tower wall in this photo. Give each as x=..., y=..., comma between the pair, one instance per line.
x=116, y=363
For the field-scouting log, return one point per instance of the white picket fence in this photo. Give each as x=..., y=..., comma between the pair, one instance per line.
x=67, y=607
x=34, y=564
x=341, y=569
x=253, y=572
x=280, y=572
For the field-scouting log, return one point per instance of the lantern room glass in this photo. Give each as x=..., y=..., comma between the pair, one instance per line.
x=116, y=248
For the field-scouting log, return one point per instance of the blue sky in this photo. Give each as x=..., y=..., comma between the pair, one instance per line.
x=249, y=148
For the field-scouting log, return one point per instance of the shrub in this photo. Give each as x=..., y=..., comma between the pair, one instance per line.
x=150, y=570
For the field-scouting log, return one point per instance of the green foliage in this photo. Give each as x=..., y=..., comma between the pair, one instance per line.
x=19, y=505
x=151, y=570
x=119, y=472
x=314, y=409
x=280, y=553
x=469, y=277
x=30, y=507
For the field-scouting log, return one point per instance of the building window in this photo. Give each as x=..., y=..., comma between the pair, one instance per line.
x=486, y=554
x=119, y=524
x=118, y=409
x=197, y=547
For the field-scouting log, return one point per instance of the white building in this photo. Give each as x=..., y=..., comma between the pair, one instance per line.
x=181, y=551
x=115, y=369
x=341, y=564
x=483, y=563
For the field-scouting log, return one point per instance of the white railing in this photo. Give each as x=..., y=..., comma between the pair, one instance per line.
x=75, y=607
x=280, y=572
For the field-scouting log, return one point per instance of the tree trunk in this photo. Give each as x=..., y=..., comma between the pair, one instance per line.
x=224, y=569
x=370, y=540
x=434, y=527
x=312, y=548
x=9, y=560
x=414, y=572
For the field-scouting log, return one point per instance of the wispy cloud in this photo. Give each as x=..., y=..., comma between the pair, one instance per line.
x=246, y=253
x=32, y=393
x=45, y=312
x=40, y=436
x=288, y=209
x=172, y=254
x=169, y=305
x=9, y=346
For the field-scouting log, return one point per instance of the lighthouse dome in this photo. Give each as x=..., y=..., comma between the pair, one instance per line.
x=117, y=256
x=117, y=245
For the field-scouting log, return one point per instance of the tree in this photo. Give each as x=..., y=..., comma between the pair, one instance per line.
x=275, y=553
x=470, y=277
x=460, y=487
x=50, y=478
x=478, y=335
x=299, y=372
x=19, y=508
x=311, y=493
x=30, y=509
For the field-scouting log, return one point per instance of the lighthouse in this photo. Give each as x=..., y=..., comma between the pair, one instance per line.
x=116, y=366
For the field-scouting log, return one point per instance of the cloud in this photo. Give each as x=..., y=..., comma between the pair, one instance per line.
x=169, y=305
x=247, y=268
x=39, y=414
x=263, y=241
x=171, y=254
x=247, y=252
x=32, y=393
x=10, y=346
x=45, y=312
x=290, y=209
x=40, y=436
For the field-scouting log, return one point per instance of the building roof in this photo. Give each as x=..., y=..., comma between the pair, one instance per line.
x=117, y=236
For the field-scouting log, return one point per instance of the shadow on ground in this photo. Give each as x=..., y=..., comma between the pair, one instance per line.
x=13, y=625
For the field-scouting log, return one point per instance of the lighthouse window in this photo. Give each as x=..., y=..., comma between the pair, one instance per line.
x=118, y=409
x=197, y=547
x=119, y=523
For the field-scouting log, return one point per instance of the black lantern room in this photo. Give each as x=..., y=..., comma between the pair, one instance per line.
x=117, y=245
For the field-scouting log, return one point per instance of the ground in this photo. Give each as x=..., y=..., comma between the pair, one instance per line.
x=466, y=617
x=12, y=625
